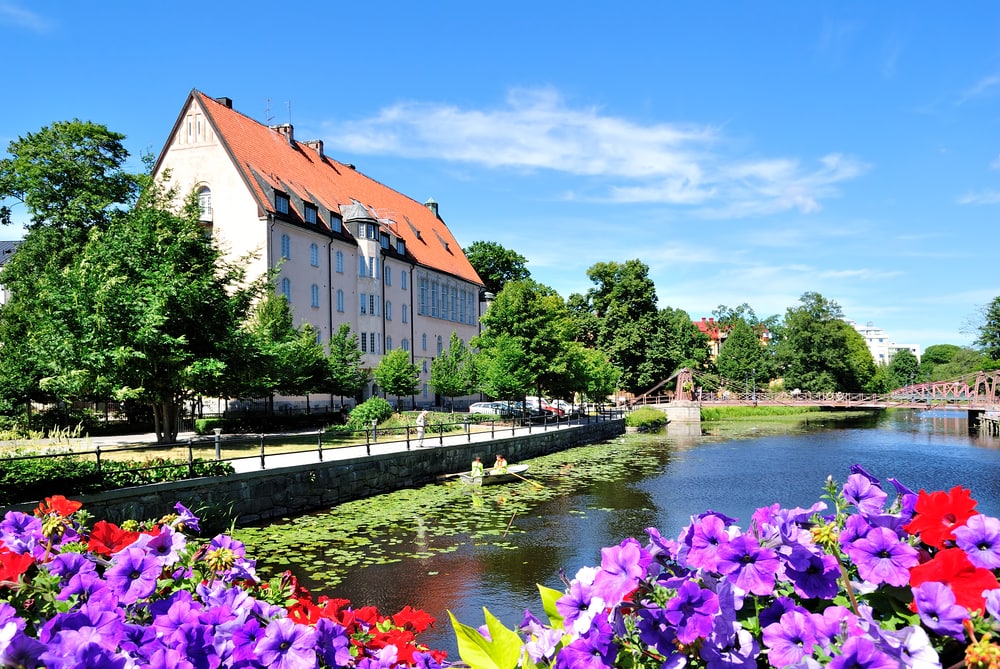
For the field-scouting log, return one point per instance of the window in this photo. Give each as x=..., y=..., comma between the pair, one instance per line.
x=340, y=301
x=388, y=311
x=340, y=262
x=205, y=203
x=362, y=266
x=364, y=342
x=423, y=298
x=286, y=289
x=311, y=214
x=401, y=247
x=423, y=341
x=286, y=247
x=373, y=304
x=314, y=292
x=314, y=255
x=388, y=344
x=364, y=303
x=371, y=341
x=405, y=344
x=388, y=275
x=402, y=279
x=405, y=314
x=435, y=292
x=454, y=304
x=440, y=345
x=383, y=240
x=281, y=203
x=425, y=367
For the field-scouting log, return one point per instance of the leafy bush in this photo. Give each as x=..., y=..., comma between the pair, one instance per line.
x=646, y=418
x=375, y=408
x=23, y=480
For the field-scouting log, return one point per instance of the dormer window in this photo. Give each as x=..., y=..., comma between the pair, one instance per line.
x=383, y=239
x=311, y=214
x=281, y=203
x=401, y=247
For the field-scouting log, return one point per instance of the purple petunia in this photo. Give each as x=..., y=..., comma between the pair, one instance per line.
x=333, y=643
x=813, y=575
x=591, y=651
x=860, y=652
x=186, y=518
x=936, y=605
x=287, y=645
x=980, y=539
x=133, y=574
x=691, y=611
x=752, y=567
x=579, y=605
x=882, y=557
x=790, y=640
x=708, y=535
x=864, y=493
x=621, y=568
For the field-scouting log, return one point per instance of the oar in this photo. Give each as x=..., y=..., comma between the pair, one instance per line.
x=534, y=483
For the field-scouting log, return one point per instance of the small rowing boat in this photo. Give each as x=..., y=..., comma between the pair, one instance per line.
x=491, y=476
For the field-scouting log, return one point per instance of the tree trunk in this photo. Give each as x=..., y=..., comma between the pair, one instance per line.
x=166, y=421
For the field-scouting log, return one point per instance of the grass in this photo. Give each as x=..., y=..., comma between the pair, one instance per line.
x=709, y=414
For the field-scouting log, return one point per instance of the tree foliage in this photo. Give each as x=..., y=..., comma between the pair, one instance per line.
x=453, y=372
x=742, y=356
x=904, y=369
x=347, y=376
x=396, y=375
x=989, y=330
x=497, y=266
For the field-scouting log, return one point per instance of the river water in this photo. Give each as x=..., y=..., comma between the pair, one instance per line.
x=446, y=548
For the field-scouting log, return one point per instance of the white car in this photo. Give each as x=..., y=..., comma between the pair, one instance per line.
x=492, y=408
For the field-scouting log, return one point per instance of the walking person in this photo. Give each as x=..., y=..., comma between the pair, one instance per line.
x=421, y=425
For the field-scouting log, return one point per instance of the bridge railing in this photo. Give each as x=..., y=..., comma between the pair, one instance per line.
x=790, y=398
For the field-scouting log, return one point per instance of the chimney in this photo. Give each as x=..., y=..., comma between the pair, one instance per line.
x=225, y=102
x=316, y=145
x=433, y=206
x=286, y=130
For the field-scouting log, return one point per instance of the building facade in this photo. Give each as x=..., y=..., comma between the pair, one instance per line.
x=879, y=343
x=343, y=247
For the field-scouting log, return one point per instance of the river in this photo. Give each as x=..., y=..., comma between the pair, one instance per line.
x=445, y=547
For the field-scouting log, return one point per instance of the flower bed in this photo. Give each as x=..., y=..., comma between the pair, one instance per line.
x=870, y=578
x=76, y=596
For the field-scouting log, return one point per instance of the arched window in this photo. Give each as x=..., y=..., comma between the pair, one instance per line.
x=362, y=266
x=314, y=255
x=405, y=344
x=405, y=315
x=388, y=275
x=314, y=292
x=388, y=344
x=423, y=341
x=205, y=203
x=286, y=289
x=440, y=345
x=340, y=262
x=340, y=301
x=402, y=280
x=388, y=311
x=286, y=247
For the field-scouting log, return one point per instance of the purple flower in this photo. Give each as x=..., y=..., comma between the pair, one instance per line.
x=754, y=568
x=691, y=611
x=992, y=604
x=133, y=575
x=287, y=645
x=707, y=537
x=790, y=640
x=592, y=651
x=186, y=518
x=166, y=546
x=333, y=643
x=621, y=568
x=859, y=652
x=20, y=532
x=17, y=649
x=938, y=611
x=864, y=493
x=882, y=557
x=980, y=539
x=813, y=575
x=168, y=658
x=730, y=647
x=579, y=606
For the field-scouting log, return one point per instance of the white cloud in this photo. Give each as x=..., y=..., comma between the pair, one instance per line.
x=979, y=88
x=14, y=15
x=982, y=197
x=618, y=160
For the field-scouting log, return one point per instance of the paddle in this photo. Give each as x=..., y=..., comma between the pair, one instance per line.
x=534, y=483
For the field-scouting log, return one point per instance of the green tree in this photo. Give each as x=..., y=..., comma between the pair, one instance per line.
x=860, y=363
x=396, y=375
x=742, y=357
x=989, y=330
x=347, y=376
x=497, y=266
x=453, y=373
x=672, y=342
x=904, y=369
x=503, y=368
x=601, y=377
x=154, y=314
x=966, y=360
x=624, y=301
x=814, y=350
x=933, y=357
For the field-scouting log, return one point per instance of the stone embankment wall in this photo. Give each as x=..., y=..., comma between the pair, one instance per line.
x=275, y=493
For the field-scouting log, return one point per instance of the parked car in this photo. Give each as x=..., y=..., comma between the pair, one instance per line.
x=490, y=408
x=540, y=404
x=569, y=410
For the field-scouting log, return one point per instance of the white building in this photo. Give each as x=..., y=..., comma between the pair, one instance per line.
x=7, y=249
x=879, y=343
x=345, y=248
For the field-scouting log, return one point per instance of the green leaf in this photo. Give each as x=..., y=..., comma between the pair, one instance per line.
x=549, y=598
x=502, y=652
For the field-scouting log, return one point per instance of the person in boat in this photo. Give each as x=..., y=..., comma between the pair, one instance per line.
x=500, y=466
x=477, y=468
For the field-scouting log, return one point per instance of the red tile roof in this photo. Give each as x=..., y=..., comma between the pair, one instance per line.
x=298, y=167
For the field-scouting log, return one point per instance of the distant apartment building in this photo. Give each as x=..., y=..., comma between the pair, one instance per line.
x=343, y=247
x=879, y=343
x=7, y=249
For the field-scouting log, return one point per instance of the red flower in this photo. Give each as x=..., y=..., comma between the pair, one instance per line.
x=58, y=504
x=414, y=619
x=12, y=565
x=951, y=566
x=107, y=538
x=936, y=514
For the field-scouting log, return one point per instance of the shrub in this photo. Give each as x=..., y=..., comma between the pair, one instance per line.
x=646, y=418
x=376, y=409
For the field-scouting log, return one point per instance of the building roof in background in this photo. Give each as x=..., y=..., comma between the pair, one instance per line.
x=7, y=249
x=270, y=158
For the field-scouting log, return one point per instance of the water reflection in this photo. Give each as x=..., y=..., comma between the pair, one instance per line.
x=444, y=547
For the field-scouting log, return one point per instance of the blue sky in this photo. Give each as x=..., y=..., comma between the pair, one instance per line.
x=745, y=151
